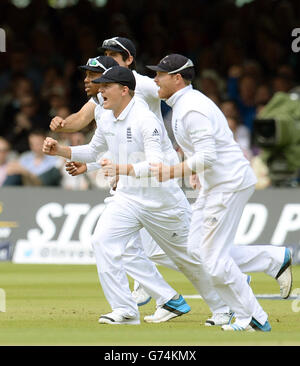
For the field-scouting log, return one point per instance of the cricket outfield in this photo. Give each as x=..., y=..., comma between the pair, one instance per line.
x=61, y=304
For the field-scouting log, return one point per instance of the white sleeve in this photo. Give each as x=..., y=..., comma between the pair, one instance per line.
x=90, y=167
x=152, y=89
x=92, y=100
x=96, y=165
x=89, y=153
x=199, y=130
x=151, y=135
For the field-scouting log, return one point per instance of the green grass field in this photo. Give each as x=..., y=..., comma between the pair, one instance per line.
x=60, y=305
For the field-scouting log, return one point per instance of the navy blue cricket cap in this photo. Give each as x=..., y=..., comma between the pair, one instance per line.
x=117, y=74
x=99, y=64
x=173, y=64
x=119, y=44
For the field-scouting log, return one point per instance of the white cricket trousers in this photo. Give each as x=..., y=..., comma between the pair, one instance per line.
x=213, y=227
x=267, y=259
x=122, y=219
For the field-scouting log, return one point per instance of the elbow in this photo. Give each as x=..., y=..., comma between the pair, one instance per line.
x=210, y=160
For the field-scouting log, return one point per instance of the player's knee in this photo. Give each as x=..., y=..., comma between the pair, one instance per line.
x=194, y=253
x=216, y=270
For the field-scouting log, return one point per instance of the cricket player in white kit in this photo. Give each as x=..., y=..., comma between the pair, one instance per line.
x=227, y=182
x=123, y=51
x=131, y=132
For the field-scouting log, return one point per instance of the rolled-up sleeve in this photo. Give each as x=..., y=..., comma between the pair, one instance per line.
x=199, y=129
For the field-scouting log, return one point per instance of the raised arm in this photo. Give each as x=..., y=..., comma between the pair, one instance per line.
x=199, y=129
x=76, y=121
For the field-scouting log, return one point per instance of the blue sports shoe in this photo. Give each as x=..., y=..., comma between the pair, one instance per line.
x=252, y=327
x=171, y=309
x=257, y=326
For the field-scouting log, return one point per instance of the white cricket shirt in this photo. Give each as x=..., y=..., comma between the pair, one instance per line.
x=133, y=138
x=202, y=131
x=146, y=91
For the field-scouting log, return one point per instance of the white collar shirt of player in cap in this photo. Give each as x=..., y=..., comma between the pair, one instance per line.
x=202, y=131
x=146, y=91
x=133, y=138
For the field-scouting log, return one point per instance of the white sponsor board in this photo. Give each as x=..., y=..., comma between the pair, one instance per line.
x=39, y=246
x=53, y=252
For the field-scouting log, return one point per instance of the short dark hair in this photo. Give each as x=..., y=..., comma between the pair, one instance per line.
x=188, y=74
x=125, y=56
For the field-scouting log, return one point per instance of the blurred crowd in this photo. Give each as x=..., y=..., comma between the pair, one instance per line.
x=242, y=56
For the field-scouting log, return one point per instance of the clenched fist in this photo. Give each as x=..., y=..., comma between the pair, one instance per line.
x=50, y=146
x=57, y=123
x=75, y=168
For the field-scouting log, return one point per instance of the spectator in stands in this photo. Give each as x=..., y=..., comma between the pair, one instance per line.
x=230, y=109
x=242, y=89
x=20, y=86
x=241, y=135
x=58, y=96
x=4, y=159
x=79, y=182
x=28, y=118
x=19, y=64
x=210, y=84
x=33, y=167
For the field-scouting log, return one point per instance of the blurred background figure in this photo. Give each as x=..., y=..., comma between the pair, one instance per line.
x=33, y=167
x=246, y=59
x=5, y=156
x=80, y=182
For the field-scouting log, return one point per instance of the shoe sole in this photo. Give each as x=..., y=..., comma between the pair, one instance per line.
x=285, y=268
x=164, y=319
x=103, y=320
x=287, y=293
x=237, y=329
x=209, y=323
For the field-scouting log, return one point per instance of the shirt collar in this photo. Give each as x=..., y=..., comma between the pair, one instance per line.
x=98, y=99
x=173, y=99
x=125, y=111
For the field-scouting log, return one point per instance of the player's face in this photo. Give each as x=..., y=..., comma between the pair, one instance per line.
x=91, y=89
x=166, y=84
x=117, y=56
x=112, y=95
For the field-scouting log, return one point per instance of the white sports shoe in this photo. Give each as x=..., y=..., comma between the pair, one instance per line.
x=141, y=297
x=219, y=319
x=169, y=310
x=116, y=318
x=284, y=276
x=235, y=327
x=252, y=327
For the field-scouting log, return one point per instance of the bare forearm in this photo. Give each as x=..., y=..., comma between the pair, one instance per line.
x=125, y=169
x=73, y=123
x=180, y=170
x=64, y=151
